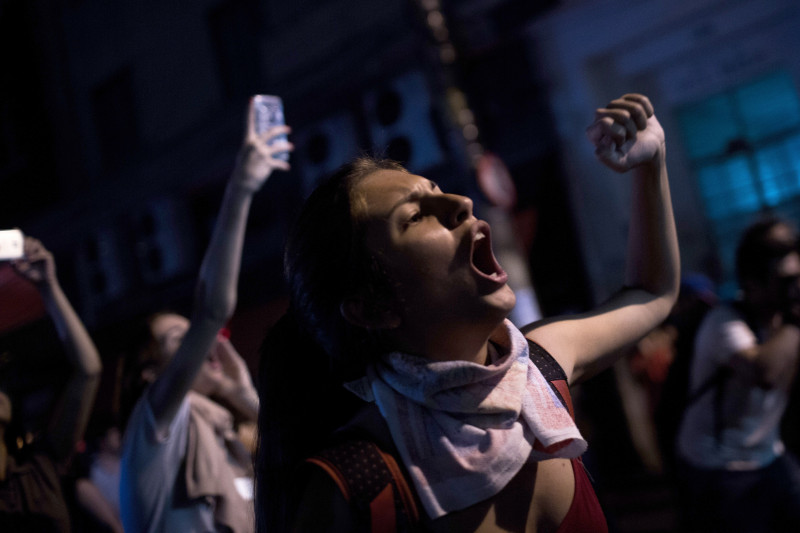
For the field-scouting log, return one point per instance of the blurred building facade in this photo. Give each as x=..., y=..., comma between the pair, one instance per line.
x=724, y=77
x=121, y=121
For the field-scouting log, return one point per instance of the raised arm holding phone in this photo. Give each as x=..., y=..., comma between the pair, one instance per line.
x=176, y=421
x=30, y=483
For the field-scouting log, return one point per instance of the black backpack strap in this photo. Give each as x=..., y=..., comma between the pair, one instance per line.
x=371, y=480
x=553, y=373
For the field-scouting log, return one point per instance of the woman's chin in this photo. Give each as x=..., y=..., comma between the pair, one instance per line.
x=503, y=299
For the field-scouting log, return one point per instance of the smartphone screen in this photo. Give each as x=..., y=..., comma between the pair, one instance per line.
x=268, y=113
x=11, y=244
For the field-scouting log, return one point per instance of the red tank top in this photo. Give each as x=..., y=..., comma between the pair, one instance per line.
x=585, y=513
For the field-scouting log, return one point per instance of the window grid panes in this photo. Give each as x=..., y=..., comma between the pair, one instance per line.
x=745, y=149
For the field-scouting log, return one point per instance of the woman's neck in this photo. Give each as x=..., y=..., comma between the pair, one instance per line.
x=452, y=344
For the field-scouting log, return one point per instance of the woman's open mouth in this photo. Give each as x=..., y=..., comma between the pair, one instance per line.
x=482, y=258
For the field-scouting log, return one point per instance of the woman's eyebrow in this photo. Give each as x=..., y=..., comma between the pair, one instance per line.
x=412, y=196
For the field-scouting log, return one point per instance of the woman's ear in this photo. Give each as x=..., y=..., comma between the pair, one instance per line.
x=368, y=314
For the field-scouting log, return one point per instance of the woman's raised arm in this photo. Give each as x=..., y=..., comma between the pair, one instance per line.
x=215, y=292
x=627, y=136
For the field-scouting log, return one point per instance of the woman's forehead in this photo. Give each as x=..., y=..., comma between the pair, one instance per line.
x=380, y=192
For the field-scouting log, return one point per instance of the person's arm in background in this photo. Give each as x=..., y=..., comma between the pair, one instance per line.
x=236, y=386
x=773, y=363
x=215, y=293
x=89, y=497
x=771, y=303
x=627, y=136
x=71, y=411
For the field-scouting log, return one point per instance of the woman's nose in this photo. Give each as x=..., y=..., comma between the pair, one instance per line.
x=458, y=209
x=451, y=209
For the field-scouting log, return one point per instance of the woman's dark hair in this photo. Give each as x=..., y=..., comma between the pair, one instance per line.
x=312, y=349
x=326, y=260
x=757, y=251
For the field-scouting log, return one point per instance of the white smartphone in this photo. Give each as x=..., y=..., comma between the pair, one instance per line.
x=11, y=244
x=269, y=113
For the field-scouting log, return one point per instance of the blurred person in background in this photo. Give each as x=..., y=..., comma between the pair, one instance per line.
x=734, y=472
x=183, y=466
x=31, y=473
x=96, y=482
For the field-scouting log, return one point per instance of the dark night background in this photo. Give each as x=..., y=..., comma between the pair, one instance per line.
x=120, y=121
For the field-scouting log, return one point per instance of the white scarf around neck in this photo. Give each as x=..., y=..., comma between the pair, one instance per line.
x=464, y=430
